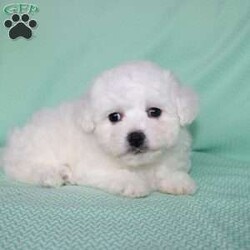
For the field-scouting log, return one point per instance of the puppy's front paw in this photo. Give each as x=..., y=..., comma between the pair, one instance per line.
x=132, y=189
x=135, y=191
x=178, y=183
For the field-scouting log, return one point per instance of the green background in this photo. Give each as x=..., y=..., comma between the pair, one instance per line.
x=207, y=45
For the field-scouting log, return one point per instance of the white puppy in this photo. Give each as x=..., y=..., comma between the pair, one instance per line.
x=127, y=136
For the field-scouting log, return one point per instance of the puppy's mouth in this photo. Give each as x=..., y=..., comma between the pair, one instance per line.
x=137, y=151
x=135, y=157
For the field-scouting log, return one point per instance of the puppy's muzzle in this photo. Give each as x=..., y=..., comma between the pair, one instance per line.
x=136, y=139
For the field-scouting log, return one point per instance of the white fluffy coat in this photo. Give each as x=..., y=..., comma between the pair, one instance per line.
x=76, y=143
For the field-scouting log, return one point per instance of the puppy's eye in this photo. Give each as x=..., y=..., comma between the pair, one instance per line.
x=154, y=112
x=115, y=117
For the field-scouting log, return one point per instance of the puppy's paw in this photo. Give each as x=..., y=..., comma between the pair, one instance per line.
x=50, y=181
x=135, y=191
x=57, y=177
x=178, y=183
x=66, y=173
x=132, y=189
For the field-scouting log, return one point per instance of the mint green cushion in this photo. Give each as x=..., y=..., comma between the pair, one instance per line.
x=207, y=44
x=217, y=217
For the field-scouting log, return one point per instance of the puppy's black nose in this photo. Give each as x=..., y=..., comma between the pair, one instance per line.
x=136, y=139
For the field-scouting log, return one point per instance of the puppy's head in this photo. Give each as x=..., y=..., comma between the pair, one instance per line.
x=136, y=112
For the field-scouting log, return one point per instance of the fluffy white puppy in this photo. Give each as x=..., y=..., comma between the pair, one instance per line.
x=127, y=136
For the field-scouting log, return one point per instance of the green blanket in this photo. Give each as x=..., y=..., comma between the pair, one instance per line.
x=207, y=44
x=217, y=217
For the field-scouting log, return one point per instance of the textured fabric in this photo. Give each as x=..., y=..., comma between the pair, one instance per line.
x=217, y=217
x=207, y=44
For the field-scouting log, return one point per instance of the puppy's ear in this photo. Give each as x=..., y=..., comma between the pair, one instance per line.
x=84, y=115
x=187, y=105
x=186, y=101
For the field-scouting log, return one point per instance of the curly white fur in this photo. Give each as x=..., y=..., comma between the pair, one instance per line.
x=76, y=143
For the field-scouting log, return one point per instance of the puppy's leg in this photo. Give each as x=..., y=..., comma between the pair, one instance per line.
x=117, y=181
x=172, y=175
x=57, y=175
x=37, y=153
x=47, y=175
x=176, y=182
